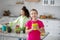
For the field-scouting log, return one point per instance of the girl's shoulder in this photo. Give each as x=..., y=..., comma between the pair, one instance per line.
x=39, y=20
x=19, y=17
x=28, y=22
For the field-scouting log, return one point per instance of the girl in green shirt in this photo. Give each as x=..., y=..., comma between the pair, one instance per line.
x=22, y=19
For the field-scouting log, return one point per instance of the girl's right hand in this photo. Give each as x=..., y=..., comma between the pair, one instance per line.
x=31, y=29
x=28, y=30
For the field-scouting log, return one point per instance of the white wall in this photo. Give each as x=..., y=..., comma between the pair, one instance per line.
x=15, y=9
x=10, y=5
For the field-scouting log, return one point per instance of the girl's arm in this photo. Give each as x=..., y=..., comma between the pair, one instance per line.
x=42, y=30
x=13, y=22
x=28, y=30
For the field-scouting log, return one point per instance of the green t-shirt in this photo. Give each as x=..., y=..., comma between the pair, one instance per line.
x=20, y=21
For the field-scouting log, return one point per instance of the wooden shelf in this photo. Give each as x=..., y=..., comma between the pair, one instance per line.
x=19, y=2
x=33, y=0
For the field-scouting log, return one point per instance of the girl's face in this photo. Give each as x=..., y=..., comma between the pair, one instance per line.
x=22, y=13
x=33, y=14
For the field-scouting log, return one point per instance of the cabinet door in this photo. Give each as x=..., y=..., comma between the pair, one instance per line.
x=51, y=2
x=53, y=24
x=1, y=37
x=57, y=2
x=10, y=38
x=52, y=37
x=5, y=38
x=53, y=27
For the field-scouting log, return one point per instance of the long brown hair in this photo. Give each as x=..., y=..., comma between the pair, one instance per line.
x=26, y=11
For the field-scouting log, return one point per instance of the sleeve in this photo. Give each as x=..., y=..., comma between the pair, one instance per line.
x=14, y=22
x=27, y=25
x=26, y=20
x=41, y=25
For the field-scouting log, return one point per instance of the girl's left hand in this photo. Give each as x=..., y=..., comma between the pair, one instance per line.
x=42, y=31
x=42, y=34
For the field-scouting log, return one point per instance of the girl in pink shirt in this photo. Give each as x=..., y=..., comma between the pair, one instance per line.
x=34, y=34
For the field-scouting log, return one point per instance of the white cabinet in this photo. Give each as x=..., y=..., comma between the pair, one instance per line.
x=52, y=38
x=10, y=38
x=51, y=2
x=57, y=2
x=52, y=26
x=1, y=37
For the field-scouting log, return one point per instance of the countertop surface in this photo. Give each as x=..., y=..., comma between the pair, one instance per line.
x=18, y=35
x=52, y=19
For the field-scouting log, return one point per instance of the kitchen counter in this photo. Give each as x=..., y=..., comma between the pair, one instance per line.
x=14, y=35
x=52, y=19
x=7, y=19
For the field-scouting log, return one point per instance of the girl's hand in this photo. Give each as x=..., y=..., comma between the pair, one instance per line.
x=42, y=34
x=32, y=28
x=42, y=31
x=28, y=30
